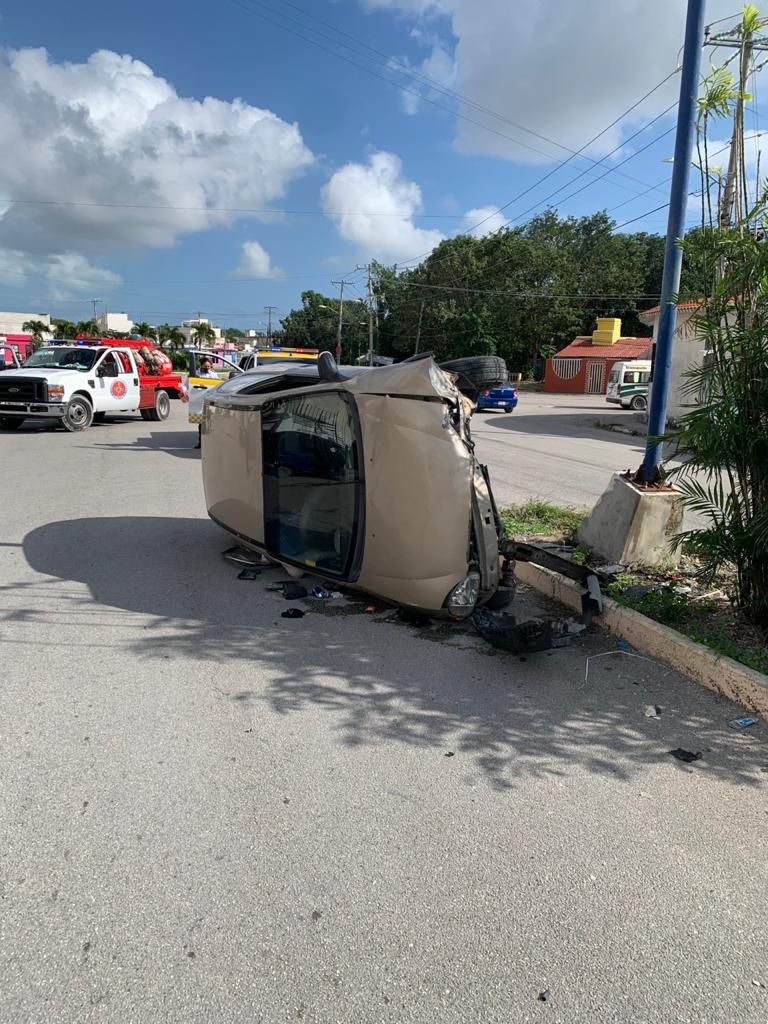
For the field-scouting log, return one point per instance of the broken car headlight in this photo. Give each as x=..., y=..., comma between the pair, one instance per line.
x=462, y=599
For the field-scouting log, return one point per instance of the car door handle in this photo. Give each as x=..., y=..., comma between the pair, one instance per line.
x=135, y=380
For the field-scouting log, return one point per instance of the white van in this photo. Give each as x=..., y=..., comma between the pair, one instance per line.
x=628, y=384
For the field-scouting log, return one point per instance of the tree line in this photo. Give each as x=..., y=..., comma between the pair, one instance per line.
x=522, y=293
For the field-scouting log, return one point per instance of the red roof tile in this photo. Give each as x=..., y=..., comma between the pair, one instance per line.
x=625, y=348
x=681, y=307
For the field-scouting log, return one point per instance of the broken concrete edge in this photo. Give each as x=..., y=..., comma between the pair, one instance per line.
x=722, y=675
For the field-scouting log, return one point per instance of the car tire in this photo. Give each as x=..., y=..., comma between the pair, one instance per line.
x=479, y=370
x=79, y=414
x=11, y=422
x=508, y=408
x=162, y=409
x=99, y=417
x=638, y=403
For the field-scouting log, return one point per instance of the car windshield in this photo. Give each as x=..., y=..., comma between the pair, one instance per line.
x=312, y=486
x=78, y=358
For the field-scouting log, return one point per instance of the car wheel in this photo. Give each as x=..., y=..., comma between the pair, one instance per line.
x=11, y=422
x=79, y=414
x=508, y=408
x=638, y=402
x=479, y=370
x=162, y=409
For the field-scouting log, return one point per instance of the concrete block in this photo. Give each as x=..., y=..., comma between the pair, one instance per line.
x=630, y=525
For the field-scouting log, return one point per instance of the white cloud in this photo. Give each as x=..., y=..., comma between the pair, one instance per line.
x=255, y=261
x=483, y=220
x=373, y=206
x=66, y=273
x=565, y=71
x=439, y=67
x=111, y=132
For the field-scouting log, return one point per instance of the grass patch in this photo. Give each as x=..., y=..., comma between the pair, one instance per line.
x=541, y=519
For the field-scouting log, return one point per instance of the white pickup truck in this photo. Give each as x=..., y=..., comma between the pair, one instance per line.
x=80, y=383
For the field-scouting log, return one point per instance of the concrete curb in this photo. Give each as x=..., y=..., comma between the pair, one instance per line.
x=722, y=675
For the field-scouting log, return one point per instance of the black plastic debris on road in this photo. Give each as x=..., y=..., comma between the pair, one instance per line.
x=687, y=756
x=544, y=996
x=250, y=572
x=294, y=591
x=505, y=632
x=292, y=613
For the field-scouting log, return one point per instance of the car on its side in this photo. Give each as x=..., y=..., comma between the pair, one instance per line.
x=499, y=396
x=365, y=476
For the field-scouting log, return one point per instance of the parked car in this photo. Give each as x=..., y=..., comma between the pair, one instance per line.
x=502, y=396
x=366, y=476
x=628, y=384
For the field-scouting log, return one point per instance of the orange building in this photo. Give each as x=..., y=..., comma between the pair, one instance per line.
x=582, y=367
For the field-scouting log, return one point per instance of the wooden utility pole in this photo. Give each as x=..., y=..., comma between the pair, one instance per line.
x=341, y=319
x=739, y=38
x=269, y=310
x=418, y=327
x=370, y=317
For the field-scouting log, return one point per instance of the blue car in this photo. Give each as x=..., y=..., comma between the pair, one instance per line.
x=502, y=396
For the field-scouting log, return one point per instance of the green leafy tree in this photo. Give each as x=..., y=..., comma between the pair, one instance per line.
x=204, y=334
x=37, y=329
x=63, y=329
x=723, y=440
x=170, y=336
x=145, y=330
x=87, y=328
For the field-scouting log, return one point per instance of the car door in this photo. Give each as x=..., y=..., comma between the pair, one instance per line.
x=117, y=383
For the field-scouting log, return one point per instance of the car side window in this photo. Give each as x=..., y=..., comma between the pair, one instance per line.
x=312, y=480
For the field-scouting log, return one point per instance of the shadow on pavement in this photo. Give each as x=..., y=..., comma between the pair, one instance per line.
x=378, y=680
x=545, y=424
x=180, y=443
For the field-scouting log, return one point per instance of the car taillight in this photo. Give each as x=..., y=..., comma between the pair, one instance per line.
x=486, y=393
x=514, y=392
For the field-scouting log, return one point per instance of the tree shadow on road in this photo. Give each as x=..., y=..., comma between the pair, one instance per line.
x=378, y=680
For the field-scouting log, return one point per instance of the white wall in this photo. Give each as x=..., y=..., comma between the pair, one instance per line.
x=11, y=323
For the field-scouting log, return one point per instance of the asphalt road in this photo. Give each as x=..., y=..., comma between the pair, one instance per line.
x=550, y=448
x=209, y=813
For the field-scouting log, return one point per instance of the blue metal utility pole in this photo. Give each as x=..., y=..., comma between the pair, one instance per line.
x=673, y=256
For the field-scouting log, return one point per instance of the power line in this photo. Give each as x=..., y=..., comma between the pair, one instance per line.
x=564, y=163
x=247, y=6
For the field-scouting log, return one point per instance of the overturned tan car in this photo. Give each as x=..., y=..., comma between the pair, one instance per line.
x=364, y=476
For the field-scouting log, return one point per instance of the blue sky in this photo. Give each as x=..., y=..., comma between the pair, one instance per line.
x=139, y=163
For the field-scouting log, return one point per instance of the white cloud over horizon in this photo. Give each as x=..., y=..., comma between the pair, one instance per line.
x=136, y=164
x=483, y=220
x=373, y=206
x=65, y=273
x=566, y=74
x=255, y=262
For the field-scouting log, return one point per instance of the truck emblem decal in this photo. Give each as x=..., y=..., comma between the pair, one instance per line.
x=13, y=391
x=118, y=389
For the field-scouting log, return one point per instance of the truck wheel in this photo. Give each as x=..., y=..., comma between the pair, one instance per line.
x=11, y=422
x=162, y=408
x=79, y=414
x=638, y=402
